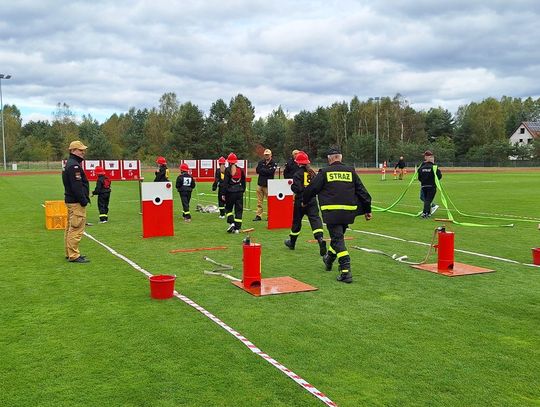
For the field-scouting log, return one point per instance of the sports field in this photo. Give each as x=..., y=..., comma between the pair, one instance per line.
x=89, y=334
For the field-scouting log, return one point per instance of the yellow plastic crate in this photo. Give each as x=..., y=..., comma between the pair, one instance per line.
x=55, y=215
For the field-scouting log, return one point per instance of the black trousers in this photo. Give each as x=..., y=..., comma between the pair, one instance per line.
x=185, y=197
x=234, y=200
x=221, y=202
x=337, y=247
x=312, y=212
x=428, y=194
x=103, y=205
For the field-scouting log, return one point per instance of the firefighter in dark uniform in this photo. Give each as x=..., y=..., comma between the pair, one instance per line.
x=234, y=185
x=77, y=197
x=401, y=165
x=103, y=191
x=185, y=185
x=218, y=184
x=162, y=174
x=342, y=197
x=301, y=180
x=290, y=166
x=428, y=189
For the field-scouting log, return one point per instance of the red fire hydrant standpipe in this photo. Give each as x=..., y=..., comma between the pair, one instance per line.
x=251, y=273
x=445, y=250
x=445, y=258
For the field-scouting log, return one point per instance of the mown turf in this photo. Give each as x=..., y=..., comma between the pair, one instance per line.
x=88, y=334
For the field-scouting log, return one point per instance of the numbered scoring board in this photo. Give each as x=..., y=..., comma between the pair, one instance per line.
x=207, y=168
x=120, y=170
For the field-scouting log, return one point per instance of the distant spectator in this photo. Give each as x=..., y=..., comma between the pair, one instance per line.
x=400, y=167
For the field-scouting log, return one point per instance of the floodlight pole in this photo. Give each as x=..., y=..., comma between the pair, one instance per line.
x=377, y=133
x=3, y=76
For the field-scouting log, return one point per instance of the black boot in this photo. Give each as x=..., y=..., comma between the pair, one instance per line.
x=345, y=276
x=328, y=262
x=289, y=244
x=322, y=247
x=291, y=241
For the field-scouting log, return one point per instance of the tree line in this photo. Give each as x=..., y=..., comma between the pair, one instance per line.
x=478, y=132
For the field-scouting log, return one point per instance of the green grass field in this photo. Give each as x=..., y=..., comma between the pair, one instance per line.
x=89, y=334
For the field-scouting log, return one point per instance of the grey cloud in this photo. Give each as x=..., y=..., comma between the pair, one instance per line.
x=113, y=55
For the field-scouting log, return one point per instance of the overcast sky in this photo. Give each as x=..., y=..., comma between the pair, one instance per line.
x=102, y=57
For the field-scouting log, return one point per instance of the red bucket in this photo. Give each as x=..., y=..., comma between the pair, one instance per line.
x=536, y=256
x=162, y=286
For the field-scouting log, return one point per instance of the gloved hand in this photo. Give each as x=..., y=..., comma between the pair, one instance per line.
x=214, y=188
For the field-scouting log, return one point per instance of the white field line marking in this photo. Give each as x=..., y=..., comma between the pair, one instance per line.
x=474, y=182
x=427, y=244
x=457, y=250
x=510, y=216
x=299, y=380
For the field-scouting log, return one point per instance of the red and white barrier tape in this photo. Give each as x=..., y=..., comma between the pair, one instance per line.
x=309, y=387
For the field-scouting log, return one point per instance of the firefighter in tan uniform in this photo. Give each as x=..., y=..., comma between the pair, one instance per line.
x=77, y=197
x=342, y=197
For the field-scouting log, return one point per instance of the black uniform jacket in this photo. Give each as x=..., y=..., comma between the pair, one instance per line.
x=185, y=182
x=266, y=171
x=218, y=179
x=301, y=179
x=400, y=164
x=161, y=174
x=103, y=185
x=342, y=196
x=425, y=174
x=76, y=187
x=290, y=168
x=234, y=184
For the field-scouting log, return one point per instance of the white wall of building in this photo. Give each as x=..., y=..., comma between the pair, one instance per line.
x=522, y=136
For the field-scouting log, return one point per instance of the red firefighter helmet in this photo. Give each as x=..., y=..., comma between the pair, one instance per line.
x=99, y=170
x=221, y=160
x=301, y=158
x=161, y=161
x=184, y=167
x=232, y=158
